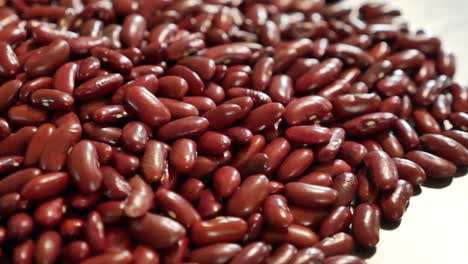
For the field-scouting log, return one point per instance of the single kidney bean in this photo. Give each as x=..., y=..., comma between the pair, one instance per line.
x=350, y=54
x=50, y=99
x=226, y=180
x=309, y=195
x=281, y=88
x=382, y=169
x=407, y=59
x=9, y=65
x=71, y=227
x=45, y=186
x=215, y=92
x=94, y=232
x=55, y=54
x=84, y=168
x=262, y=72
x=10, y=164
x=458, y=135
x=369, y=123
x=410, y=171
x=143, y=228
x=98, y=86
x=88, y=68
x=445, y=147
x=195, y=83
x=276, y=151
x=218, y=230
x=329, y=151
x=202, y=103
x=176, y=207
x=135, y=135
x=282, y=255
x=112, y=60
x=405, y=134
x=111, y=211
x=104, y=134
x=203, y=166
x=317, y=178
x=213, y=143
x=238, y=205
x=295, y=164
x=366, y=225
x=441, y=108
x=208, y=205
x=393, y=204
x=334, y=167
x=148, y=108
x=459, y=120
x=394, y=84
x=191, y=189
x=276, y=212
x=346, y=185
x=8, y=93
x=83, y=201
x=76, y=251
x=446, y=63
x=296, y=235
x=25, y=115
x=183, y=155
x=173, y=87
x=24, y=252
x=5, y=129
x=215, y=253
x=355, y=104
x=47, y=248
x=115, y=184
x=263, y=116
x=184, y=127
x=145, y=255
x=38, y=143
x=425, y=122
x=9, y=203
x=318, y=76
x=434, y=166
x=16, y=143
x=308, y=134
x=390, y=144
x=19, y=226
x=306, y=109
x=133, y=30
x=65, y=77
x=340, y=243
x=308, y=255
x=353, y=152
x=17, y=180
x=179, y=109
x=140, y=199
x=252, y=253
x=337, y=221
x=204, y=67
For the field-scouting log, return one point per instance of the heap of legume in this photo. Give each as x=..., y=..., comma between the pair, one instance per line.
x=216, y=131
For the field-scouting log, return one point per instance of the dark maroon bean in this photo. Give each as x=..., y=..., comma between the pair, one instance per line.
x=355, y=104
x=143, y=228
x=459, y=120
x=65, y=76
x=340, y=243
x=366, y=225
x=215, y=253
x=148, y=108
x=382, y=169
x=8, y=93
x=133, y=30
x=202, y=103
x=407, y=59
x=9, y=62
x=425, y=122
x=281, y=88
x=83, y=167
x=369, y=123
x=76, y=251
x=308, y=134
x=226, y=180
x=306, y=109
x=353, y=152
x=350, y=54
x=55, y=54
x=203, y=66
x=296, y=235
x=434, y=166
x=295, y=164
x=19, y=226
x=445, y=147
x=337, y=221
x=98, y=86
x=140, y=199
x=446, y=63
x=183, y=155
x=458, y=135
x=318, y=76
x=346, y=185
x=393, y=204
x=173, y=87
x=47, y=249
x=191, y=189
x=195, y=83
x=410, y=171
x=176, y=207
x=121, y=257
x=208, y=205
x=238, y=205
x=88, y=68
x=276, y=212
x=309, y=195
x=184, y=127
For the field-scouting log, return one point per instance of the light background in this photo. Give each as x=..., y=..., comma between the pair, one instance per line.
x=434, y=229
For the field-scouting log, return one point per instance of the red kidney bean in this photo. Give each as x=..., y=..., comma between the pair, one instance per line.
x=135, y=135
x=306, y=109
x=434, y=166
x=350, y=54
x=19, y=226
x=238, y=205
x=281, y=88
x=317, y=178
x=191, y=189
x=148, y=108
x=445, y=147
x=346, y=185
x=366, y=225
x=393, y=204
x=8, y=93
x=183, y=155
x=296, y=235
x=9, y=203
x=340, y=243
x=390, y=144
x=116, y=185
x=276, y=212
x=446, y=63
x=410, y=171
x=24, y=115
x=308, y=134
x=263, y=116
x=88, y=68
x=208, y=205
x=143, y=228
x=16, y=143
x=145, y=255
x=282, y=255
x=295, y=164
x=133, y=30
x=179, y=109
x=104, y=134
x=140, y=199
x=9, y=62
x=458, y=135
x=55, y=54
x=195, y=84
x=355, y=104
x=214, y=92
x=65, y=77
x=425, y=122
x=406, y=135
x=176, y=207
x=459, y=120
x=17, y=180
x=45, y=186
x=84, y=168
x=203, y=104
x=172, y=87
x=369, y=123
x=71, y=227
x=382, y=169
x=309, y=195
x=333, y=168
x=337, y=221
x=253, y=253
x=441, y=108
x=353, y=152
x=94, y=232
x=215, y=253
x=308, y=255
x=318, y=76
x=98, y=86
x=407, y=59
x=329, y=151
x=9, y=164
x=202, y=167
x=184, y=127
x=203, y=66
x=213, y=143
x=76, y=251
x=47, y=247
x=111, y=211
x=226, y=180
x=218, y=230
x=83, y=201
x=112, y=60
x=24, y=252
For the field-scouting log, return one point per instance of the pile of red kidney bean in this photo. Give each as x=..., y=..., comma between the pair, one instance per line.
x=216, y=131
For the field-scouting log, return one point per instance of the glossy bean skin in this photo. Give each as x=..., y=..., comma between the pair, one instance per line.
x=295, y=164
x=252, y=253
x=83, y=167
x=382, y=169
x=149, y=109
x=140, y=199
x=184, y=127
x=346, y=185
x=353, y=152
x=329, y=151
x=297, y=235
x=309, y=195
x=238, y=205
x=47, y=247
x=183, y=155
x=425, y=122
x=98, y=86
x=218, y=230
x=445, y=148
x=19, y=226
x=276, y=212
x=366, y=225
x=143, y=228
x=76, y=251
x=213, y=143
x=263, y=116
x=282, y=255
x=344, y=259
x=306, y=109
x=369, y=123
x=215, y=253
x=176, y=207
x=393, y=204
x=406, y=134
x=410, y=171
x=340, y=243
x=15, y=182
x=59, y=50
x=338, y=220
x=318, y=76
x=226, y=180
x=45, y=186
x=10, y=64
x=308, y=134
x=458, y=135
x=434, y=166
